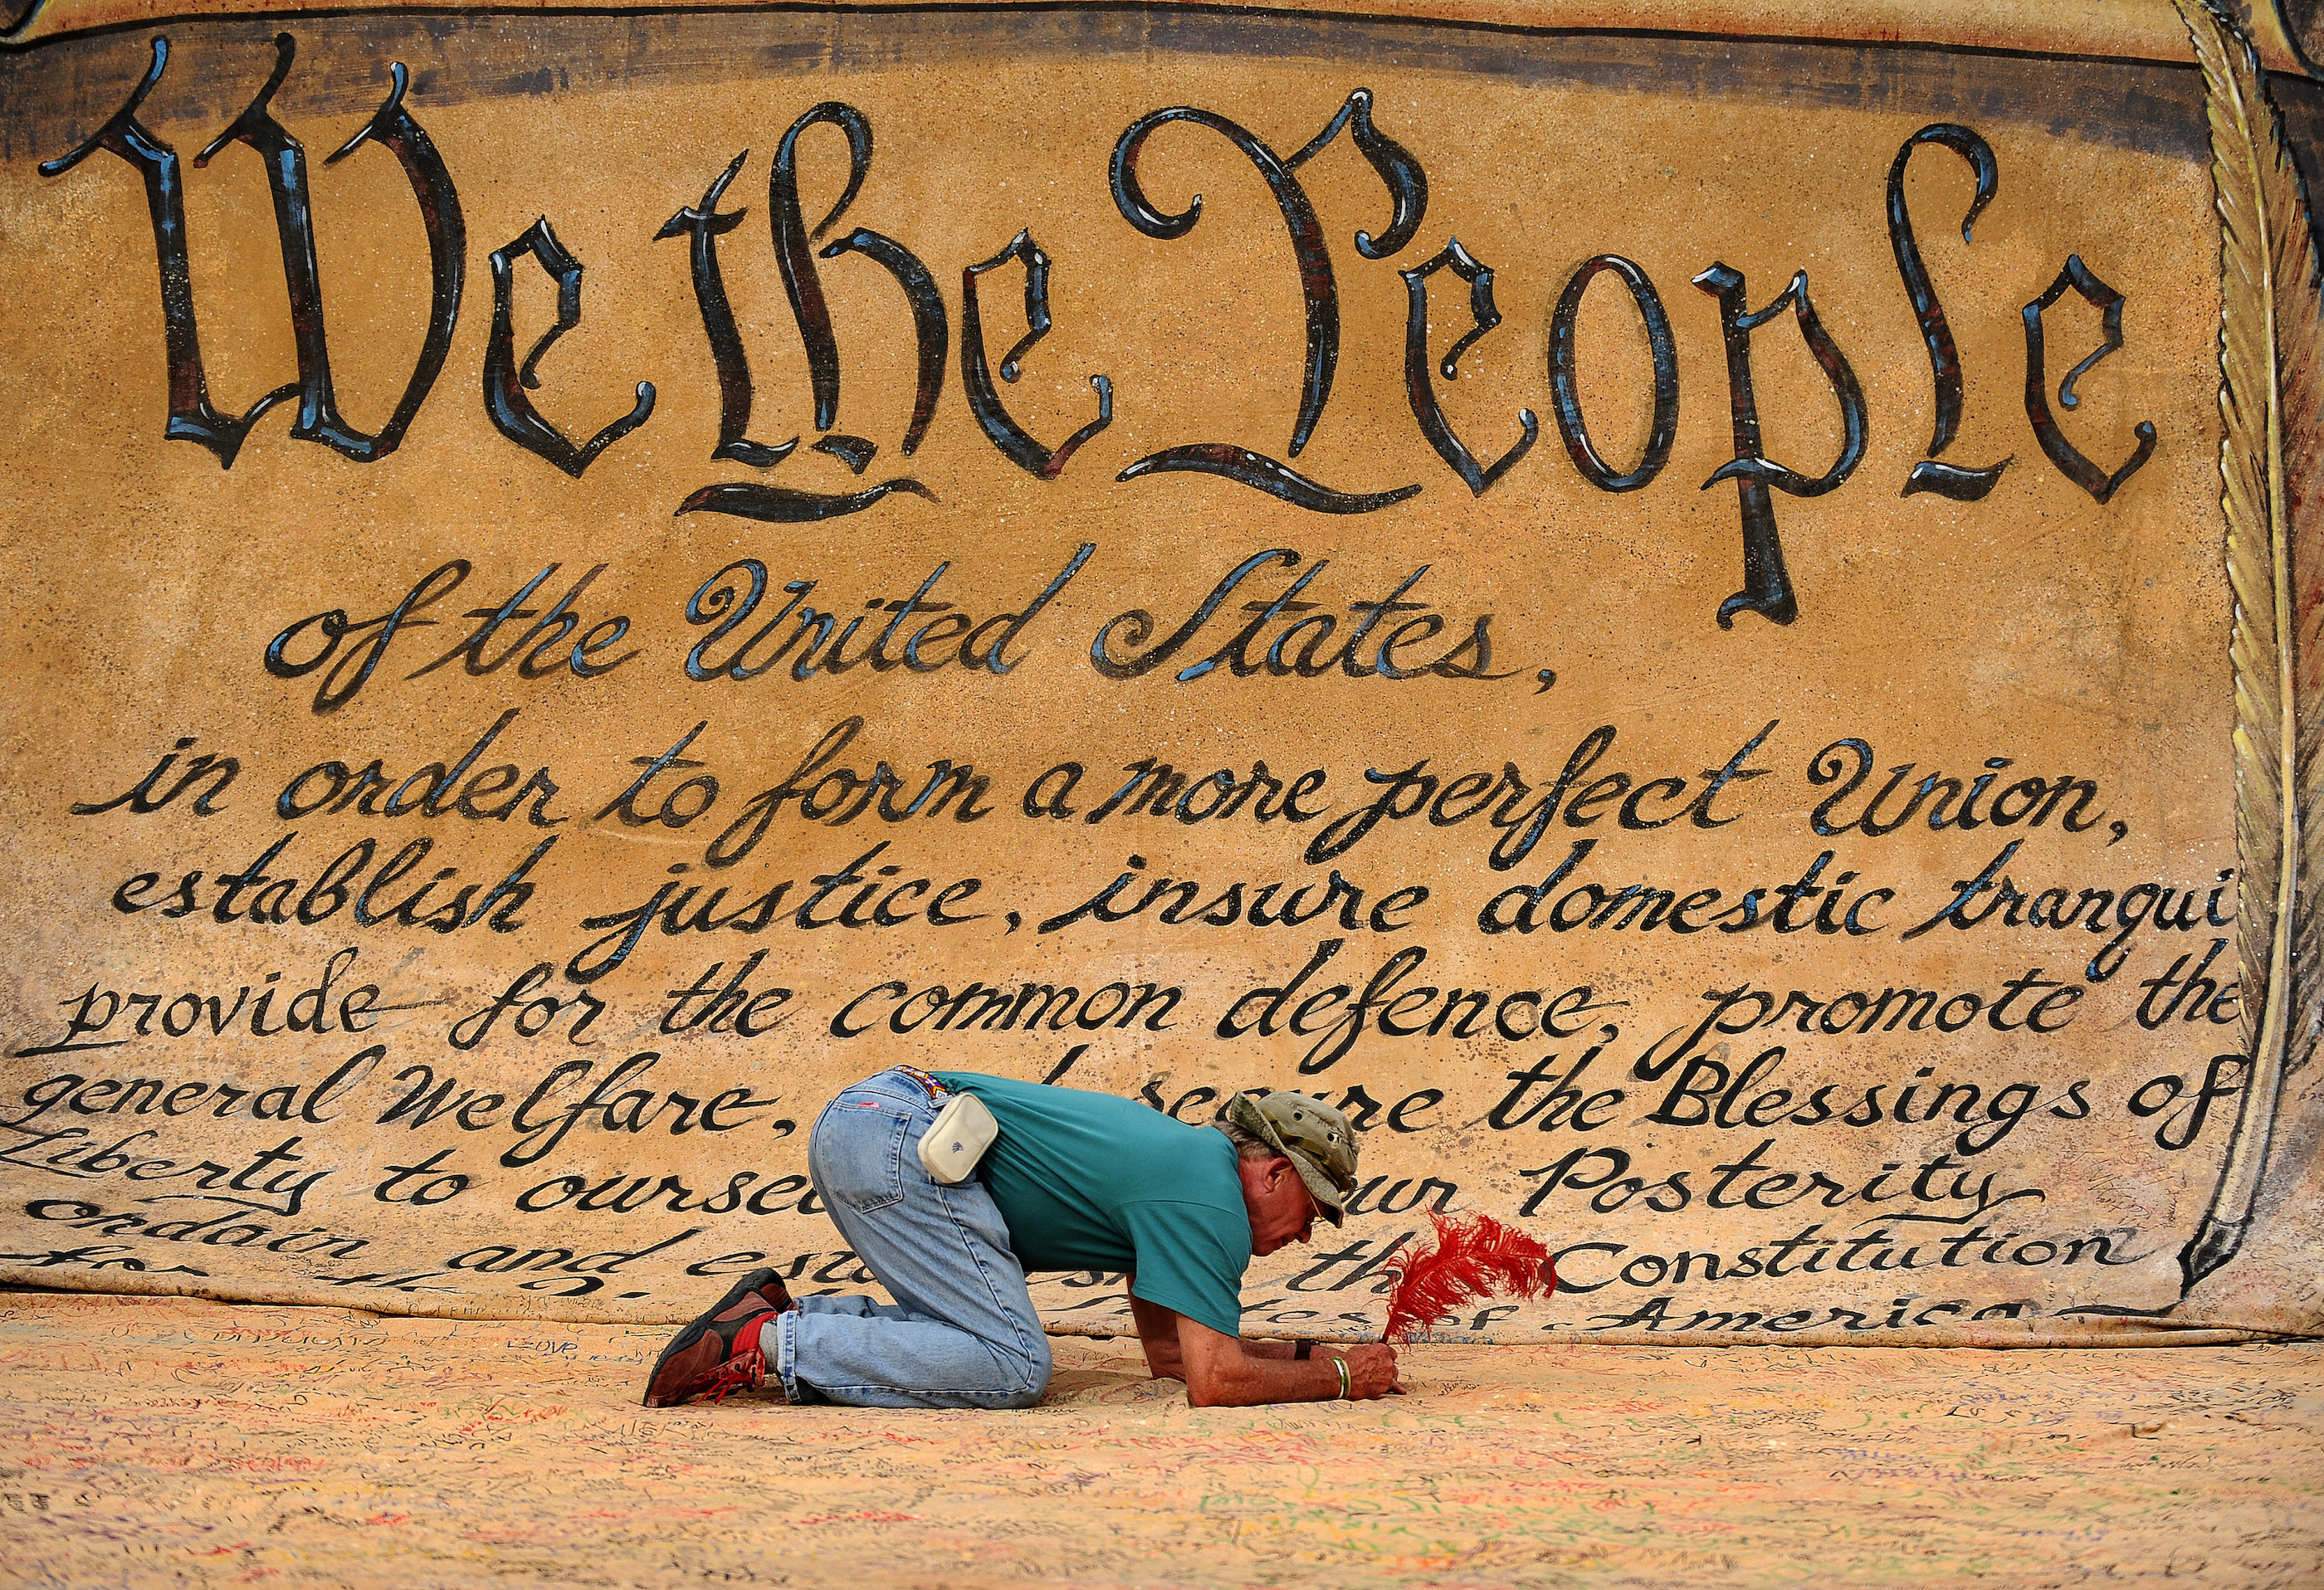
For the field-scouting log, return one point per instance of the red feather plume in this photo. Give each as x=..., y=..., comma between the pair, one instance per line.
x=1474, y=1257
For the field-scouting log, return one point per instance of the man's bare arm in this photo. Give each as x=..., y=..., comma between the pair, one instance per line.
x=1157, y=1333
x=1223, y=1371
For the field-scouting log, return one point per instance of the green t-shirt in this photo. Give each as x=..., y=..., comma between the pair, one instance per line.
x=1090, y=1181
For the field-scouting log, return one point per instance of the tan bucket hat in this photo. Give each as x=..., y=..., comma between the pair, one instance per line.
x=1312, y=1135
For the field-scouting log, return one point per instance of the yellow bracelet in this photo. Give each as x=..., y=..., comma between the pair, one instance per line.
x=1344, y=1386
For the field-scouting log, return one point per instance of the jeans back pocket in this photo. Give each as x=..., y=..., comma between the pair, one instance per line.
x=857, y=1153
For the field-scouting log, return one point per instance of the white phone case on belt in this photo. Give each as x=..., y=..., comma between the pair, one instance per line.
x=954, y=1144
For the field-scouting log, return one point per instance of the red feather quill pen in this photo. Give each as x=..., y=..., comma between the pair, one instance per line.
x=1474, y=1257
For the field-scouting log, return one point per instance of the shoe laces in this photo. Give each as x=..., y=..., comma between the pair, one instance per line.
x=742, y=1372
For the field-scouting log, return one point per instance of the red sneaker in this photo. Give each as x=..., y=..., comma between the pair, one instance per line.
x=719, y=1352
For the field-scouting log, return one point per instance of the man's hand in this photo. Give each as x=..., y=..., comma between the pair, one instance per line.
x=1372, y=1369
x=1223, y=1371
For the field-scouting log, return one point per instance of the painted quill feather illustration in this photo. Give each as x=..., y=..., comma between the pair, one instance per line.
x=2271, y=467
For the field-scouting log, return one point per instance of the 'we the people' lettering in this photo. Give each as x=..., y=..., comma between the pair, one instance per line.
x=1768, y=589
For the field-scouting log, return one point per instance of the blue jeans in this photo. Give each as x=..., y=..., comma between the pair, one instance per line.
x=963, y=1332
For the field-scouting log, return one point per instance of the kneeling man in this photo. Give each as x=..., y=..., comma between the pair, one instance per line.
x=1075, y=1181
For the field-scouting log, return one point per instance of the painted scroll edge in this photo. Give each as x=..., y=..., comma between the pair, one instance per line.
x=2137, y=30
x=2272, y=474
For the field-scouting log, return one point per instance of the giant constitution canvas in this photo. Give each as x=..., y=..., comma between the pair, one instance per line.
x=1705, y=620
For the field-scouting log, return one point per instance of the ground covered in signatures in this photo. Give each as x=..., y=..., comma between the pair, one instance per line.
x=171, y=1442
